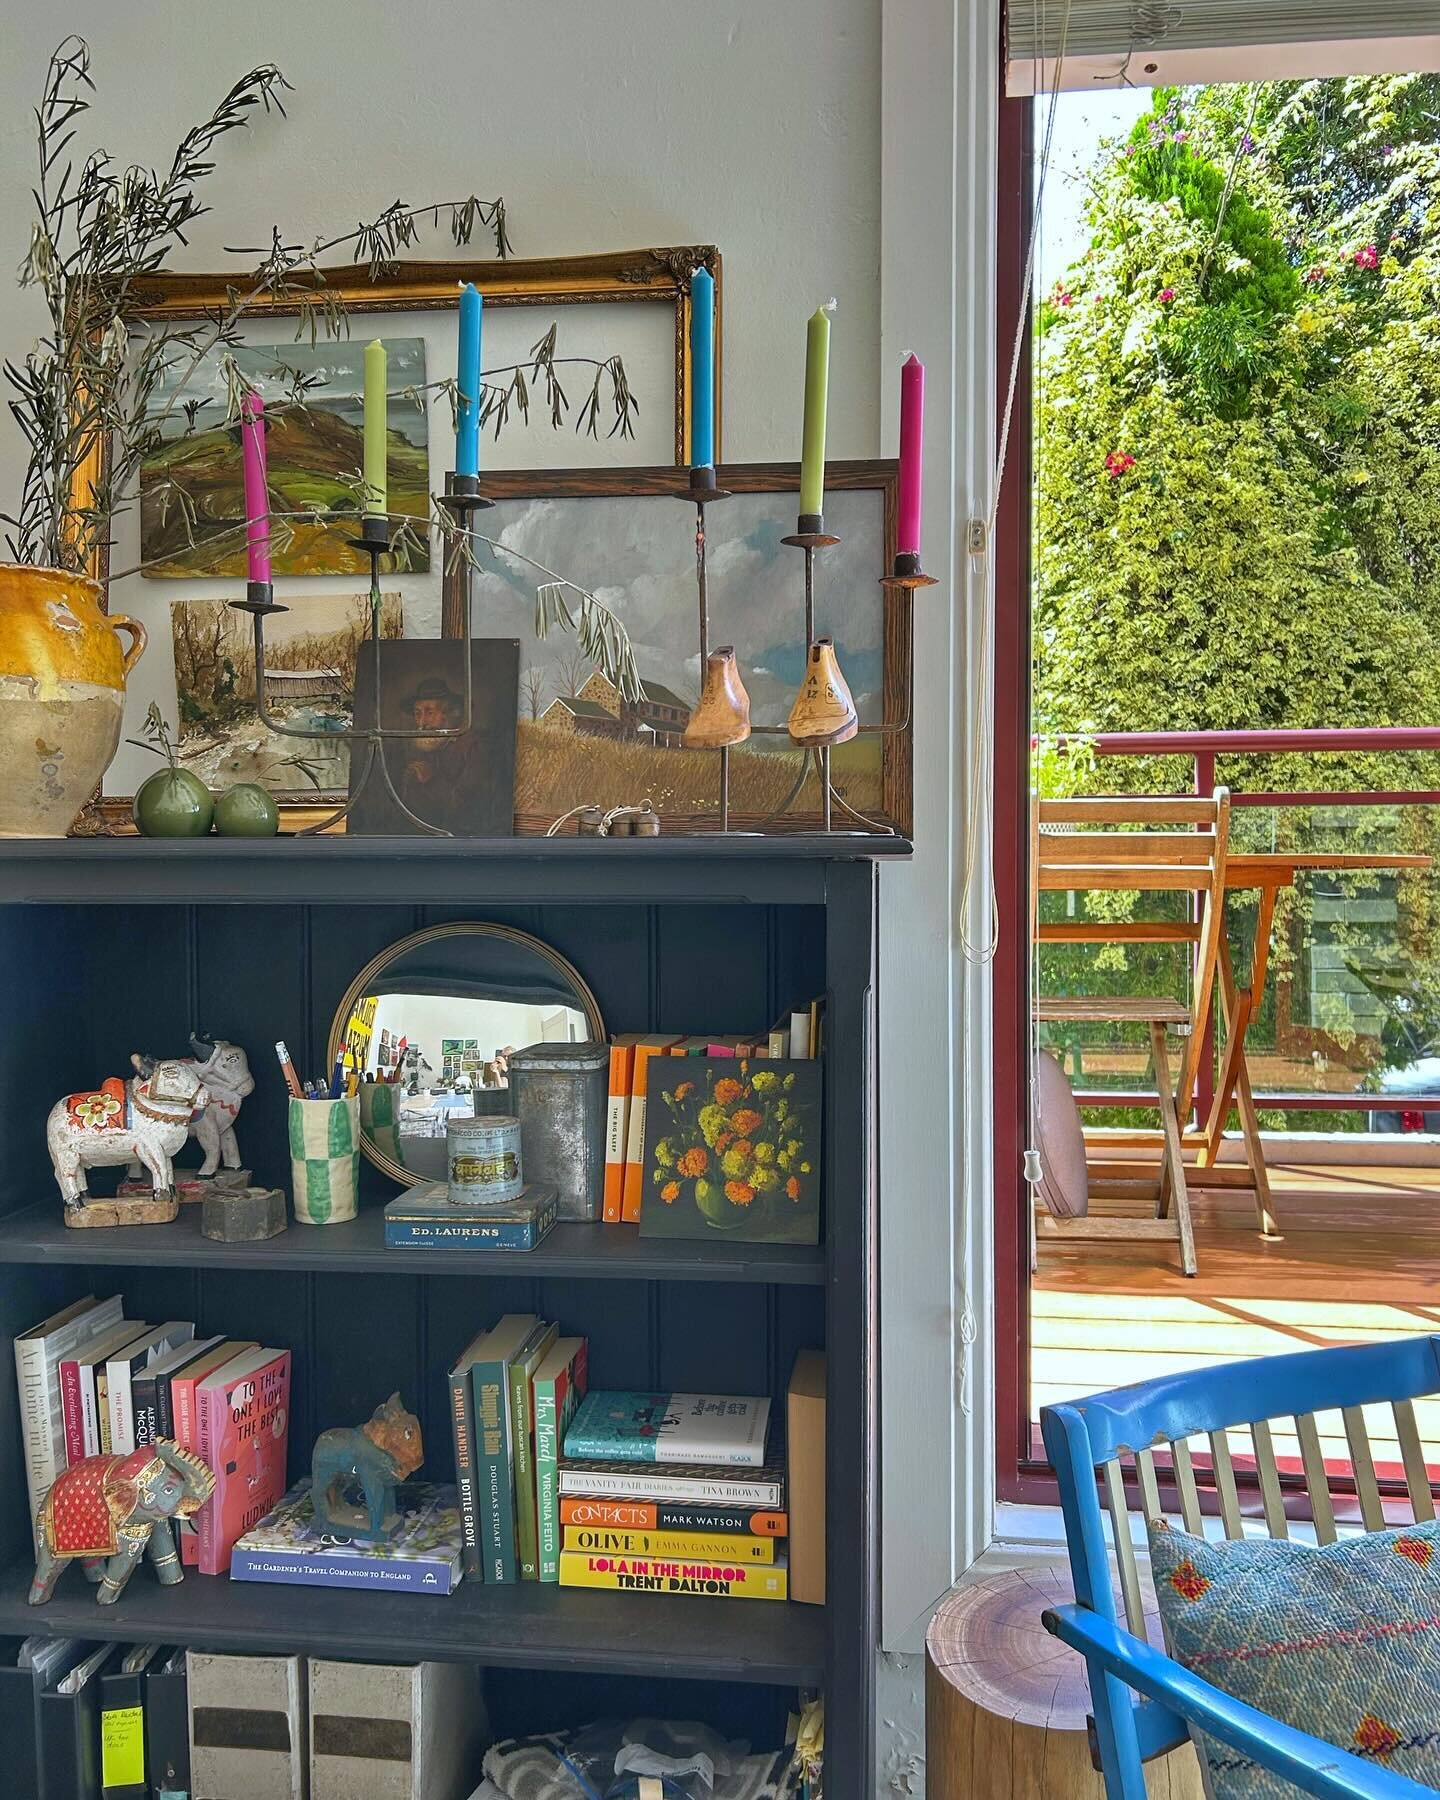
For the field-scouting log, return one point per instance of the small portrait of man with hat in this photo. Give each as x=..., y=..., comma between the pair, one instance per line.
x=456, y=775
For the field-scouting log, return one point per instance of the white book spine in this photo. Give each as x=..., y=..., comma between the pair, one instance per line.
x=800, y=1036
x=89, y=1418
x=40, y=1465
x=117, y=1400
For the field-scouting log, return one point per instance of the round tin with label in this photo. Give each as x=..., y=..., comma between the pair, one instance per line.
x=483, y=1159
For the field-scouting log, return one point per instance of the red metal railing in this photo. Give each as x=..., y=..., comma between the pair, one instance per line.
x=1202, y=747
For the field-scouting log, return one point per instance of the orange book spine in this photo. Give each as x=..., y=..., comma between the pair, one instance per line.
x=635, y=1154
x=617, y=1130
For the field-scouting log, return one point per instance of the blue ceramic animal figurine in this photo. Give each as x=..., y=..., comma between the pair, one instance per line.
x=367, y=1461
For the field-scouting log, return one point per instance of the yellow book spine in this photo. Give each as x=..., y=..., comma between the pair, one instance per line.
x=673, y=1575
x=689, y=1546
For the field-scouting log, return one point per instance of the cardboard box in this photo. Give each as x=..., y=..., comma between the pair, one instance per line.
x=247, y=1727
x=805, y=1420
x=383, y=1731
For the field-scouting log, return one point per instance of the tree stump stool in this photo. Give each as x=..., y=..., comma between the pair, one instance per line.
x=1006, y=1704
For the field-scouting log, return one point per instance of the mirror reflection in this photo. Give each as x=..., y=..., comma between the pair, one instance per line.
x=430, y=1027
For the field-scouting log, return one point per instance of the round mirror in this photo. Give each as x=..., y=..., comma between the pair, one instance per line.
x=429, y=1026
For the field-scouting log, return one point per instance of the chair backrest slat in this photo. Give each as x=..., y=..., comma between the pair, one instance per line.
x=1118, y=809
x=1270, y=1496
x=1124, y=1549
x=1190, y=1515
x=1149, y=1487
x=1317, y=1485
x=1225, y=1485
x=1417, y=1476
x=1361, y=1461
x=1156, y=877
x=1129, y=849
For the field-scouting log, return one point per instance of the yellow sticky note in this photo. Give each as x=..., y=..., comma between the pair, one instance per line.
x=122, y=1747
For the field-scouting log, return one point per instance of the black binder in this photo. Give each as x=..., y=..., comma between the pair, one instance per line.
x=122, y=1735
x=70, y=1740
x=167, y=1725
x=19, y=1722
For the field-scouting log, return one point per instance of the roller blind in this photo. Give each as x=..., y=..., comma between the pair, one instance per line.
x=1158, y=43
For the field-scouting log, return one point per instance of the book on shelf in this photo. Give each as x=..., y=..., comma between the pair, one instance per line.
x=717, y=1429
x=462, y=1434
x=688, y=1546
x=77, y=1387
x=128, y=1362
x=146, y=1387
x=617, y=1125
x=185, y=1431
x=675, y=1482
x=38, y=1354
x=424, y=1218
x=670, y=1515
x=494, y=1465
x=646, y=1049
x=242, y=1413
x=522, y=1432
x=672, y=1575
x=559, y=1385
x=422, y=1555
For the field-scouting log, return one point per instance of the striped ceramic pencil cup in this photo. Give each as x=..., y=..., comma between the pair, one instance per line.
x=324, y=1159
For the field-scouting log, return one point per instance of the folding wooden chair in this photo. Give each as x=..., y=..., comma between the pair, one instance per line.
x=1073, y=852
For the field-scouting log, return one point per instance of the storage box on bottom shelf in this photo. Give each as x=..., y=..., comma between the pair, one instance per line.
x=394, y=1731
x=247, y=1726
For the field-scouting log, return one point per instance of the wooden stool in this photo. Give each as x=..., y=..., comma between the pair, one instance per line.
x=1006, y=1703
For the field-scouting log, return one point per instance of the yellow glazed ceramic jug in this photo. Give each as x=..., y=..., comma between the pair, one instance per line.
x=62, y=694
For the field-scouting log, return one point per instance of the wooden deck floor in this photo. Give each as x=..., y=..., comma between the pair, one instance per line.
x=1360, y=1261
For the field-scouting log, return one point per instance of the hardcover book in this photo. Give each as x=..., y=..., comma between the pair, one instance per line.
x=423, y=1218
x=421, y=1556
x=243, y=1417
x=186, y=1430
x=522, y=1431
x=646, y=1048
x=77, y=1386
x=462, y=1433
x=146, y=1387
x=133, y=1360
x=677, y=1482
x=38, y=1354
x=617, y=1127
x=662, y=1515
x=672, y=1575
x=714, y=1429
x=494, y=1457
x=689, y=1546
x=560, y=1383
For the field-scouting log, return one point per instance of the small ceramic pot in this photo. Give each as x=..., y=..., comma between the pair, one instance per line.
x=246, y=811
x=173, y=803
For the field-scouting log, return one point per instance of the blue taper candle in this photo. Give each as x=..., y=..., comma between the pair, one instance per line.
x=467, y=380
x=702, y=369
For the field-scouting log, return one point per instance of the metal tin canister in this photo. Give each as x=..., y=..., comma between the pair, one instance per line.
x=561, y=1097
x=483, y=1160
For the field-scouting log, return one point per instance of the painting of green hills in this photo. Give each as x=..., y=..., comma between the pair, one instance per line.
x=192, y=492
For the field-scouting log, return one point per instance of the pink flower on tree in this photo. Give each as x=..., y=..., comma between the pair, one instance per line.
x=1166, y=296
x=1367, y=257
x=1315, y=274
x=1117, y=462
x=1063, y=297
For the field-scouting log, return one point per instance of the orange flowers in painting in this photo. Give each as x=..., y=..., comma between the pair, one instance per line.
x=734, y=1151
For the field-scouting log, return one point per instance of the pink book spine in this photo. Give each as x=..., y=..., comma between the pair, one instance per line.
x=71, y=1414
x=208, y=1404
x=182, y=1405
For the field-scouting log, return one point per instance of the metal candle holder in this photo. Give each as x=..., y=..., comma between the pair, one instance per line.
x=462, y=497
x=810, y=535
x=906, y=574
x=702, y=489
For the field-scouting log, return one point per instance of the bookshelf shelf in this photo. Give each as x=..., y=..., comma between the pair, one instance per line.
x=38, y=1234
x=526, y=1626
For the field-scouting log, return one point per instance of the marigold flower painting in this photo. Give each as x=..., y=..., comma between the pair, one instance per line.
x=733, y=1150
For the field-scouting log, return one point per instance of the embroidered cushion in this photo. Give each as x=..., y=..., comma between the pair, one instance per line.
x=1341, y=1641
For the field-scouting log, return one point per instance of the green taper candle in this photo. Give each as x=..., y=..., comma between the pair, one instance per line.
x=817, y=389
x=377, y=491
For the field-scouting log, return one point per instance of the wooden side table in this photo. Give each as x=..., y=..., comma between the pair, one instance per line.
x=1006, y=1703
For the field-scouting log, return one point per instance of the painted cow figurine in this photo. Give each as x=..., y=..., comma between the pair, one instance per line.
x=145, y=1119
x=373, y=1458
x=106, y=1511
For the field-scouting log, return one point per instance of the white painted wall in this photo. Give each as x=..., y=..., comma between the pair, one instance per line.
x=827, y=146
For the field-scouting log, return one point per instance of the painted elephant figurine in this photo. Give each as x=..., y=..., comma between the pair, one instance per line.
x=372, y=1457
x=108, y=1510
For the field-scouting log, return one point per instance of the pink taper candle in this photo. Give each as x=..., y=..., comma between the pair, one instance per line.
x=912, y=434
x=257, y=498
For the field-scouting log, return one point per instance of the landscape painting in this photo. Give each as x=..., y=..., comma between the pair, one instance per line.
x=732, y=1149
x=192, y=493
x=310, y=659
x=623, y=536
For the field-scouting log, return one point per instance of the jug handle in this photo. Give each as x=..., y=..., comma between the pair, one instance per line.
x=139, y=638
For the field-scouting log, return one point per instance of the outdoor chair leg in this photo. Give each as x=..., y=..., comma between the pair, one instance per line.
x=1172, y=1168
x=1250, y=1126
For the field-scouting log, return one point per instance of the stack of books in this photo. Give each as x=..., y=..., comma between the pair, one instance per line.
x=93, y=1383
x=673, y=1494
x=512, y=1392
x=796, y=1036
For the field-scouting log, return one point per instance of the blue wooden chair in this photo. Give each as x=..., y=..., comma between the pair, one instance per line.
x=1143, y=1700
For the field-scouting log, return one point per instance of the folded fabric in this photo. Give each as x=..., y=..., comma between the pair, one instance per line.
x=1341, y=1641
x=605, y=1761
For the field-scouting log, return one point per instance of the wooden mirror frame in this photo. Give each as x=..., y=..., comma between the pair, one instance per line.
x=432, y=934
